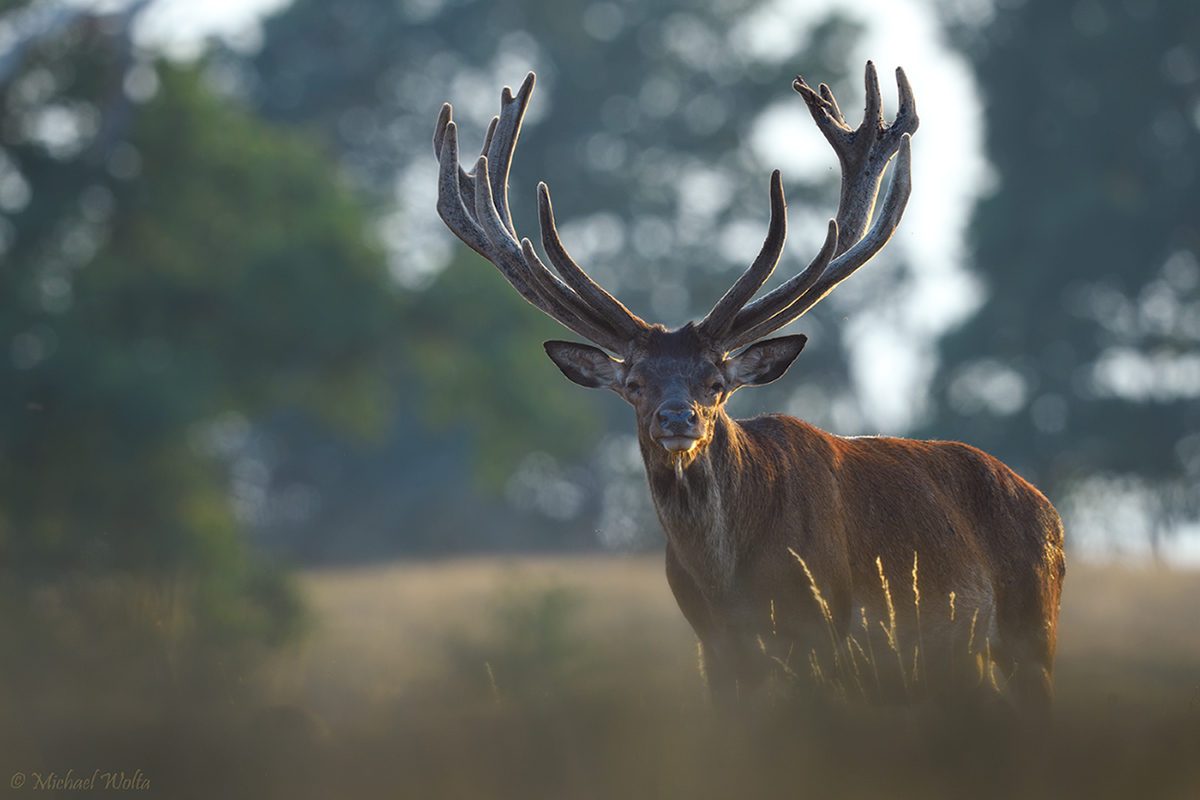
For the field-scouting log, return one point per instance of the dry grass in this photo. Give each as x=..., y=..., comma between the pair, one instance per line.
x=386, y=633
x=577, y=678
x=1131, y=636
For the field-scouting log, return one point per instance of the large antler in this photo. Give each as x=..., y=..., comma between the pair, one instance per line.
x=475, y=208
x=864, y=154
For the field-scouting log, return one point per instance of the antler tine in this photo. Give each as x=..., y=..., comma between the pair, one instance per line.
x=451, y=179
x=827, y=96
x=873, y=110
x=864, y=154
x=717, y=323
x=613, y=311
x=753, y=323
x=908, y=103
x=475, y=208
x=598, y=305
x=757, y=319
x=552, y=296
x=503, y=242
x=866, y=248
x=589, y=324
x=466, y=186
x=502, y=139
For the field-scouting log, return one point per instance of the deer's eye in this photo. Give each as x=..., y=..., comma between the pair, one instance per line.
x=633, y=388
x=716, y=389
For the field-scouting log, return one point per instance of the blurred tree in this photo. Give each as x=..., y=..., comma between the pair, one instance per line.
x=12, y=5
x=1085, y=360
x=469, y=340
x=172, y=265
x=642, y=125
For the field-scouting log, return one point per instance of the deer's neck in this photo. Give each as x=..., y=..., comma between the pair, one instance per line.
x=697, y=503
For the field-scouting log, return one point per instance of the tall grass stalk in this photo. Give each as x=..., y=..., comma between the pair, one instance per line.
x=838, y=663
x=971, y=638
x=492, y=681
x=952, y=635
x=871, y=655
x=851, y=643
x=920, y=640
x=846, y=678
x=890, y=628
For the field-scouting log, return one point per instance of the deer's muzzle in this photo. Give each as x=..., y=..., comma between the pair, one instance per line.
x=677, y=428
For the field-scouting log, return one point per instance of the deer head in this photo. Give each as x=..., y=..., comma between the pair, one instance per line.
x=679, y=381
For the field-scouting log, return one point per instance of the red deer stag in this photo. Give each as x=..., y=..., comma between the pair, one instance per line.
x=786, y=544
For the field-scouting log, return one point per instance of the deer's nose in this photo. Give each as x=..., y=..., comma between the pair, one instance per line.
x=677, y=420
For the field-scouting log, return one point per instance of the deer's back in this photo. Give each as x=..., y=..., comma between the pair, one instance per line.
x=974, y=526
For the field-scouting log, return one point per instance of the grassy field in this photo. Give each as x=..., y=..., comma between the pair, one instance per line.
x=578, y=678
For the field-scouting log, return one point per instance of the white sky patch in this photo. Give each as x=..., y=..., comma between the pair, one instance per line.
x=785, y=138
x=180, y=28
x=1181, y=547
x=895, y=370
x=893, y=353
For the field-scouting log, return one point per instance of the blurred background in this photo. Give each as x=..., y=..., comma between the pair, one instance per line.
x=237, y=344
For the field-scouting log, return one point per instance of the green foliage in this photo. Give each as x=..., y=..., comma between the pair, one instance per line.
x=172, y=261
x=1088, y=246
x=231, y=274
x=476, y=345
x=255, y=257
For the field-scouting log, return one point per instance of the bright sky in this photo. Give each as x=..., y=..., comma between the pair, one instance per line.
x=180, y=27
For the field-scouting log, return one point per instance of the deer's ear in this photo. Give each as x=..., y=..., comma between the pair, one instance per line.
x=765, y=361
x=586, y=365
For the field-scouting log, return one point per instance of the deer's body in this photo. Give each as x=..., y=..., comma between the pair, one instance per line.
x=775, y=485
x=767, y=488
x=788, y=546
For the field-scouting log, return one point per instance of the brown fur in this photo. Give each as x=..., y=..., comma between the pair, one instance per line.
x=753, y=493
x=975, y=527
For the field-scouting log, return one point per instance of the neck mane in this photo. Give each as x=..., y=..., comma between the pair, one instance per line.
x=691, y=502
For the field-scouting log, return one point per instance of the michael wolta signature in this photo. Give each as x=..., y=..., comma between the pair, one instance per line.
x=97, y=779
